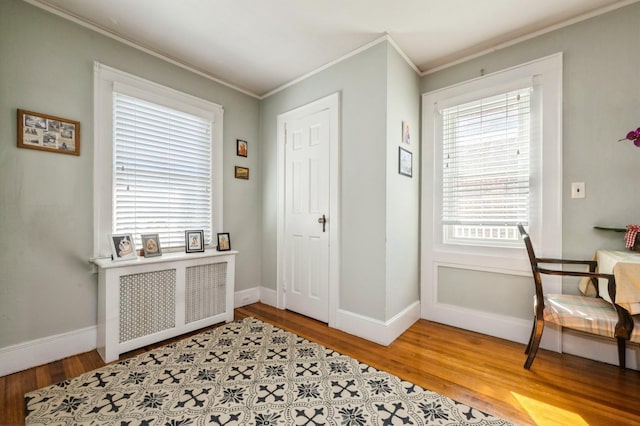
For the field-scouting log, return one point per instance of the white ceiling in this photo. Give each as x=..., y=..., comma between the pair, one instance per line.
x=261, y=45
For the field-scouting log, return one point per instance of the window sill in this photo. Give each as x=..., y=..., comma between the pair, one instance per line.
x=107, y=263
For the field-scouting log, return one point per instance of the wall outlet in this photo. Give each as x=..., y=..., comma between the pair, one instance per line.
x=578, y=190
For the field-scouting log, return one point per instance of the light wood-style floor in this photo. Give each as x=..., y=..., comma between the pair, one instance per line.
x=475, y=369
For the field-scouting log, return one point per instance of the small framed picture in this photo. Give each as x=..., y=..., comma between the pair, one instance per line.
x=241, y=172
x=194, y=241
x=241, y=148
x=406, y=133
x=151, y=245
x=123, y=247
x=405, y=162
x=48, y=133
x=224, y=241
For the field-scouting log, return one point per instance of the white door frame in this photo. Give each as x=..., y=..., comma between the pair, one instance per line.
x=332, y=103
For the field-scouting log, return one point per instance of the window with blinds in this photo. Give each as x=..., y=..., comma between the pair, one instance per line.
x=162, y=171
x=485, y=168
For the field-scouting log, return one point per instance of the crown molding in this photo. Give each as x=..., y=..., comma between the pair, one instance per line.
x=551, y=28
x=42, y=4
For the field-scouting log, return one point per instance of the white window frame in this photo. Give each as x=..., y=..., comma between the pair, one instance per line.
x=105, y=78
x=546, y=182
x=545, y=218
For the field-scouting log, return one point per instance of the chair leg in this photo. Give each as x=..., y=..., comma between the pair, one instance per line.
x=622, y=352
x=535, y=342
x=533, y=333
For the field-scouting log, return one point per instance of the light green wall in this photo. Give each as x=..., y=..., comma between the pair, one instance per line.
x=601, y=97
x=403, y=193
x=361, y=81
x=47, y=285
x=464, y=287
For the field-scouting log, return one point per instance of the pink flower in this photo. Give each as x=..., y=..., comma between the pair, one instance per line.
x=633, y=135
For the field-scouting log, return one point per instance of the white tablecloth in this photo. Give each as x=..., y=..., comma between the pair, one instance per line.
x=625, y=266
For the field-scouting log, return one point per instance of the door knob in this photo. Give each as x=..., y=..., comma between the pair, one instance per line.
x=323, y=221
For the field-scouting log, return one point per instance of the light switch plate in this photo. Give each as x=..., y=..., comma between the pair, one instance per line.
x=578, y=190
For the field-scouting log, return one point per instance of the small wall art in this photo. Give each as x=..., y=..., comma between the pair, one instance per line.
x=194, y=241
x=224, y=241
x=406, y=133
x=151, y=245
x=242, y=172
x=122, y=247
x=242, y=148
x=405, y=162
x=48, y=133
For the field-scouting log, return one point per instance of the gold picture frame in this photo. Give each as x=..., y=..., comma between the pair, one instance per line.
x=242, y=172
x=48, y=133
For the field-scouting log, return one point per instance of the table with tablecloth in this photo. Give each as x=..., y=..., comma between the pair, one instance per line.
x=625, y=266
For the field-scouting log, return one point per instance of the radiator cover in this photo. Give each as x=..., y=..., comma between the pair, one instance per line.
x=148, y=300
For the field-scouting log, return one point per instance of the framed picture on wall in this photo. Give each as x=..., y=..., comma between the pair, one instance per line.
x=122, y=247
x=151, y=245
x=194, y=241
x=406, y=133
x=241, y=173
x=242, y=148
x=405, y=162
x=48, y=133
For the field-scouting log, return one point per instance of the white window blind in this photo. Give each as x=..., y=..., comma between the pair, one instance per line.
x=162, y=171
x=485, y=166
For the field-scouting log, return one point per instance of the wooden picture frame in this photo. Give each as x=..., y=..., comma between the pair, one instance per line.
x=122, y=247
x=151, y=245
x=224, y=241
x=194, y=241
x=405, y=162
x=48, y=133
x=242, y=148
x=241, y=173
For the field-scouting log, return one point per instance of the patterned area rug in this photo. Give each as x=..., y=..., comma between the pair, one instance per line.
x=248, y=373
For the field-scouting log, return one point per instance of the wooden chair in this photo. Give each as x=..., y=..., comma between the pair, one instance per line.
x=587, y=314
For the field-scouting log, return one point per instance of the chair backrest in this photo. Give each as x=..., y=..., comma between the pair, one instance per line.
x=537, y=280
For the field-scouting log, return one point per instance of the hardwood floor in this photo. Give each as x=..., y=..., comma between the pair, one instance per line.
x=475, y=369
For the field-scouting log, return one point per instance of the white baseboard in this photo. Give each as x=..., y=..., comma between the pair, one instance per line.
x=496, y=325
x=246, y=297
x=269, y=296
x=599, y=349
x=47, y=349
x=518, y=330
x=53, y=348
x=381, y=332
x=253, y=295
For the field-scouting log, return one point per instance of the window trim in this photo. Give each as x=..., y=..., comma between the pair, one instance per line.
x=105, y=78
x=548, y=74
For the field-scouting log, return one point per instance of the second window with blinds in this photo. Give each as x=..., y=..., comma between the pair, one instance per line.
x=495, y=150
x=485, y=145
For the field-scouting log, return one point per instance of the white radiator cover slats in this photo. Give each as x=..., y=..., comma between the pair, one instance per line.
x=205, y=290
x=147, y=300
x=147, y=303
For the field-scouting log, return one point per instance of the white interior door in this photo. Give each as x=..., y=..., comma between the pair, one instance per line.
x=307, y=209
